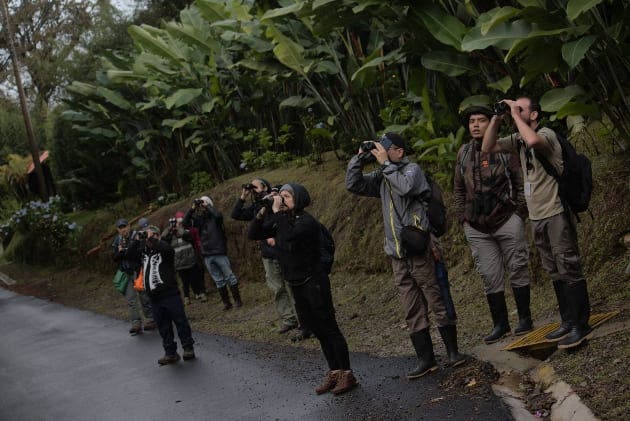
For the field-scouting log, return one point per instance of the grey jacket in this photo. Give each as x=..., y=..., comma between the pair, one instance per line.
x=401, y=185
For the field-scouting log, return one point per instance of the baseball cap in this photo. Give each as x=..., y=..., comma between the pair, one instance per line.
x=391, y=138
x=207, y=200
x=143, y=222
x=476, y=109
x=151, y=228
x=122, y=223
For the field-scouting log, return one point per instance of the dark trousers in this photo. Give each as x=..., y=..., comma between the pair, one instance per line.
x=445, y=288
x=314, y=306
x=169, y=310
x=192, y=277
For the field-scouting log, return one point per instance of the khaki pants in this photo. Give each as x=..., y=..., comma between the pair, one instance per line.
x=556, y=240
x=419, y=292
x=506, y=247
x=281, y=292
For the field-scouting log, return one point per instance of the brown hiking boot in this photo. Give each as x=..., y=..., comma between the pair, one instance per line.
x=345, y=382
x=189, y=353
x=169, y=359
x=330, y=381
x=135, y=328
x=150, y=325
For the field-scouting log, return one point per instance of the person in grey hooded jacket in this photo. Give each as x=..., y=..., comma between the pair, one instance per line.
x=403, y=189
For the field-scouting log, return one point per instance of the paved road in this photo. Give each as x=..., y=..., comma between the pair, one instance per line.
x=59, y=363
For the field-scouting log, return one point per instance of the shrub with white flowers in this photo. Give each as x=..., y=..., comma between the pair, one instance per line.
x=43, y=221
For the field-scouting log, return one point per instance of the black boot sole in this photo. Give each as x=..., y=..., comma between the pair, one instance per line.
x=523, y=332
x=489, y=342
x=577, y=343
x=427, y=371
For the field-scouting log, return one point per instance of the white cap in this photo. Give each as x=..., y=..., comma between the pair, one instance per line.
x=207, y=200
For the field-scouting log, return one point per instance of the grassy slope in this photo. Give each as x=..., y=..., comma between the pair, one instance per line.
x=366, y=301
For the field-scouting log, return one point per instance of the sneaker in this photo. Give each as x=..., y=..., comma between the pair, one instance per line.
x=330, y=381
x=135, y=329
x=345, y=382
x=169, y=359
x=189, y=353
x=286, y=328
x=187, y=301
x=150, y=325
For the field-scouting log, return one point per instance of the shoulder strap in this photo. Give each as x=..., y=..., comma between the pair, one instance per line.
x=465, y=154
x=545, y=162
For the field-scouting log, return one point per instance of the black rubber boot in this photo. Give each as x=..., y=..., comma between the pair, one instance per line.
x=225, y=298
x=449, y=336
x=565, y=315
x=236, y=295
x=579, y=305
x=424, y=350
x=499, y=313
x=521, y=297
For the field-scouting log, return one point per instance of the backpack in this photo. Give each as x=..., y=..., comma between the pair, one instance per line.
x=326, y=248
x=436, y=210
x=576, y=182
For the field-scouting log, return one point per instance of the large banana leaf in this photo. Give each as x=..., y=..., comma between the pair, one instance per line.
x=283, y=11
x=502, y=36
x=451, y=64
x=444, y=27
x=555, y=99
x=154, y=44
x=288, y=52
x=182, y=97
x=576, y=7
x=298, y=102
x=114, y=98
x=573, y=52
x=496, y=17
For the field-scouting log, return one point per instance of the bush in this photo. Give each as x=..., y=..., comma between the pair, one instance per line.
x=45, y=233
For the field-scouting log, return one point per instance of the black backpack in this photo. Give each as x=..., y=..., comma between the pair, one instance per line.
x=326, y=248
x=436, y=210
x=576, y=182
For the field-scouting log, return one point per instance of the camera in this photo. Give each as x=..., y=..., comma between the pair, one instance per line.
x=173, y=222
x=142, y=235
x=197, y=202
x=483, y=203
x=248, y=186
x=501, y=108
x=366, y=147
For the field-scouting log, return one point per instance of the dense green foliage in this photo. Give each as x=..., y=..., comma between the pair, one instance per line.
x=241, y=81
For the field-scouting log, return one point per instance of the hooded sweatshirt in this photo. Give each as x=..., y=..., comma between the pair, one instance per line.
x=297, y=237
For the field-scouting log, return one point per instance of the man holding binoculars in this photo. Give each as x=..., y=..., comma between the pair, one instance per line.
x=489, y=202
x=258, y=190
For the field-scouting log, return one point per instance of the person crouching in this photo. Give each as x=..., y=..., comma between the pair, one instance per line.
x=297, y=235
x=158, y=271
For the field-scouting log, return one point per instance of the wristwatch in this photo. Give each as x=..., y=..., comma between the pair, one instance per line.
x=387, y=162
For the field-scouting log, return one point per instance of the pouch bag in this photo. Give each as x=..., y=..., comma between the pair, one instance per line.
x=415, y=240
x=120, y=281
x=138, y=283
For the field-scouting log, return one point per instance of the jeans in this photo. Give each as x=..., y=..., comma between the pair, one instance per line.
x=282, y=299
x=442, y=279
x=169, y=310
x=220, y=270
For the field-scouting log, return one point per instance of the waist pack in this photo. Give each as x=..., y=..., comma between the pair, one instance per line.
x=415, y=240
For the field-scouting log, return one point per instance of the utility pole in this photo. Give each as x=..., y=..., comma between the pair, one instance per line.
x=30, y=136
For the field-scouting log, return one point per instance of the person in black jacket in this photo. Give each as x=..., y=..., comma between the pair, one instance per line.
x=160, y=284
x=209, y=221
x=297, y=236
x=244, y=211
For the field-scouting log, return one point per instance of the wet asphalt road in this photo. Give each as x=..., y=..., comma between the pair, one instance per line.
x=59, y=363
